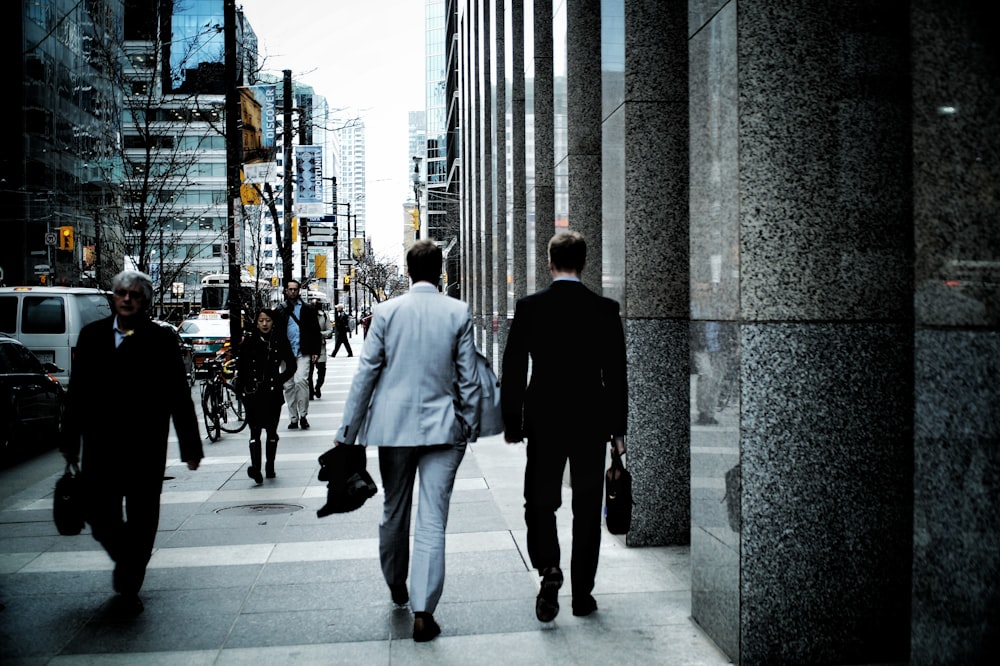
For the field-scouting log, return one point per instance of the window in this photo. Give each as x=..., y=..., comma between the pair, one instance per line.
x=8, y=314
x=43, y=314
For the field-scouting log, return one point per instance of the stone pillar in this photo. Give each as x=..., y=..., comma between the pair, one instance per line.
x=484, y=244
x=544, y=126
x=502, y=108
x=956, y=545
x=467, y=35
x=800, y=551
x=583, y=130
x=645, y=210
x=519, y=175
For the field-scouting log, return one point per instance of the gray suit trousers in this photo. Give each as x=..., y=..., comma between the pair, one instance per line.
x=398, y=466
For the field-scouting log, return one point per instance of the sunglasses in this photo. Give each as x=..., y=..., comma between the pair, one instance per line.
x=133, y=293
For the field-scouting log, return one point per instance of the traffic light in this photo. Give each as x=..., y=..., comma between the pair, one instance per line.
x=66, y=238
x=347, y=283
x=415, y=218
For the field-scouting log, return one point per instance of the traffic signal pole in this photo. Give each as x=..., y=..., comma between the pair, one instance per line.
x=234, y=145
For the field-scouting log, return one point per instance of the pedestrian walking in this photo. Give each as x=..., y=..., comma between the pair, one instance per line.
x=575, y=403
x=128, y=382
x=265, y=362
x=342, y=331
x=415, y=396
x=299, y=324
x=317, y=374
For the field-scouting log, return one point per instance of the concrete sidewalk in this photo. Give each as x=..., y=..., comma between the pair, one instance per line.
x=245, y=574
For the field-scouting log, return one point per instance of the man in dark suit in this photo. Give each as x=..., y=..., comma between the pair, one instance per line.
x=576, y=401
x=126, y=384
x=300, y=324
x=341, y=330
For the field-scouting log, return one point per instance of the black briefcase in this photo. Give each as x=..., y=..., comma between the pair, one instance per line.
x=617, y=497
x=68, y=502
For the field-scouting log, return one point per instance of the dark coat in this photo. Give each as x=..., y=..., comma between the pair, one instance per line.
x=258, y=366
x=310, y=337
x=121, y=400
x=578, y=387
x=341, y=324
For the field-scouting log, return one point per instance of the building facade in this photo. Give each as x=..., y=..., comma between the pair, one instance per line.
x=795, y=207
x=52, y=172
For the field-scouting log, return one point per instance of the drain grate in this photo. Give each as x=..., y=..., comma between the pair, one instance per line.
x=260, y=509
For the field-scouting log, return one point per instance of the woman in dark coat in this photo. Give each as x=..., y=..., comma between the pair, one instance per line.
x=264, y=364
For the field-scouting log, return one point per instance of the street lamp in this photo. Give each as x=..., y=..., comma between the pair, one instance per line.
x=416, y=191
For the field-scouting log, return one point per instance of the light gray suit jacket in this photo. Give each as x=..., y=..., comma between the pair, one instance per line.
x=416, y=383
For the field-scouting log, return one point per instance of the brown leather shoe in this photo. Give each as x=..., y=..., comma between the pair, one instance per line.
x=424, y=627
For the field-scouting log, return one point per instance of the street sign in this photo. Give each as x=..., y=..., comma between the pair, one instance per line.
x=313, y=243
x=50, y=238
x=347, y=262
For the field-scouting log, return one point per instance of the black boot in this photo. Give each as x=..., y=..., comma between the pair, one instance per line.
x=253, y=471
x=272, y=449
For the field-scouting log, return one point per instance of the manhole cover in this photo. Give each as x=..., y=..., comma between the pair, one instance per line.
x=260, y=509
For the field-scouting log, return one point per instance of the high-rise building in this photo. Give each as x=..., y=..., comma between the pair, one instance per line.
x=52, y=170
x=174, y=222
x=351, y=169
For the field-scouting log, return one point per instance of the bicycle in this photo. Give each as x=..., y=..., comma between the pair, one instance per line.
x=221, y=405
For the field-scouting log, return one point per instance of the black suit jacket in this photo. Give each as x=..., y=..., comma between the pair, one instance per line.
x=578, y=387
x=121, y=400
x=310, y=337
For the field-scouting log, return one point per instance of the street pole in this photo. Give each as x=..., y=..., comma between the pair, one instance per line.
x=287, y=261
x=234, y=143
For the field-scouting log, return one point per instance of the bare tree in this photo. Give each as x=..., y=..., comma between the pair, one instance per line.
x=379, y=276
x=170, y=208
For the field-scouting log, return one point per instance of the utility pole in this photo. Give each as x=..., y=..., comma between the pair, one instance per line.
x=303, y=223
x=286, y=192
x=234, y=145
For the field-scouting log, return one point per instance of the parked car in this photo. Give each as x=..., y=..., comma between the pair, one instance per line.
x=31, y=398
x=47, y=320
x=187, y=350
x=207, y=336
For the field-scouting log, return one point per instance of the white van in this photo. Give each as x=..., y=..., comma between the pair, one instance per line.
x=47, y=320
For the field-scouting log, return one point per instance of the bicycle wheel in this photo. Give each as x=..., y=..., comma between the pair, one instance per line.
x=210, y=412
x=234, y=416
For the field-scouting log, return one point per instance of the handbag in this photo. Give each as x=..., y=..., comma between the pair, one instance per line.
x=349, y=485
x=68, y=502
x=490, y=416
x=617, y=496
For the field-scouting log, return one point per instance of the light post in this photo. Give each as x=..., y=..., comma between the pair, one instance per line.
x=177, y=292
x=416, y=193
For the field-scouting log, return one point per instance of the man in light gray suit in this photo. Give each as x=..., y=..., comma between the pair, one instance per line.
x=414, y=396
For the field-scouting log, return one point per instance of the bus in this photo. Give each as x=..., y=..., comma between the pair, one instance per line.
x=254, y=293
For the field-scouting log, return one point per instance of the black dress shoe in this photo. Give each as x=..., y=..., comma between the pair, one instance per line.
x=584, y=606
x=424, y=627
x=294, y=425
x=399, y=594
x=547, y=603
x=127, y=605
x=304, y=423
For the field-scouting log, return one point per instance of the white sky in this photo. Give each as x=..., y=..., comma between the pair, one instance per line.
x=366, y=58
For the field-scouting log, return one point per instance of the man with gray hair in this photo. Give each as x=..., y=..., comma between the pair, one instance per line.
x=127, y=383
